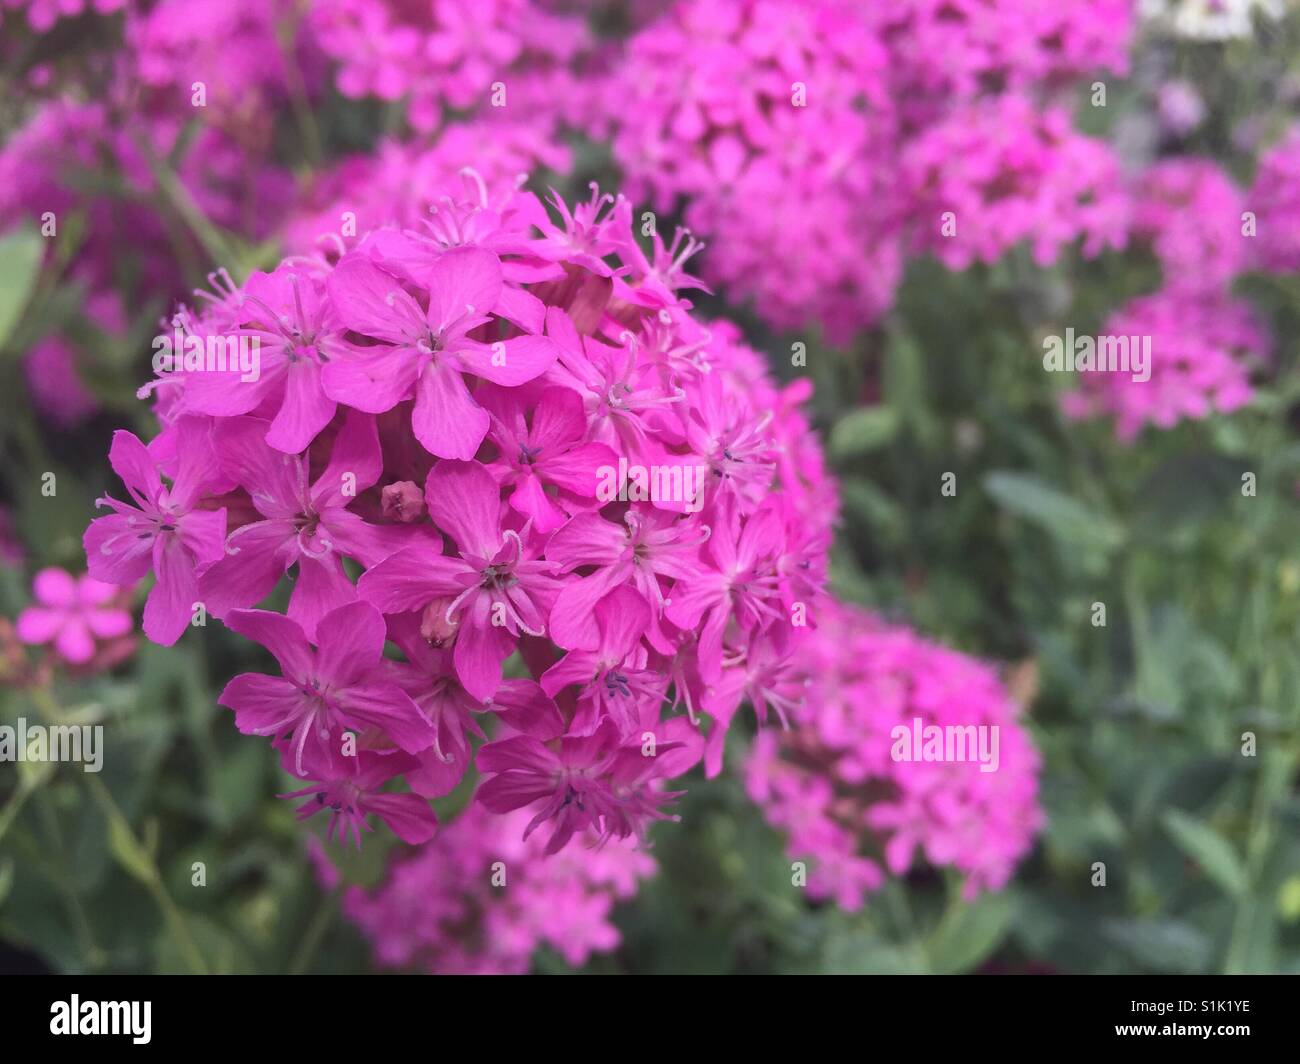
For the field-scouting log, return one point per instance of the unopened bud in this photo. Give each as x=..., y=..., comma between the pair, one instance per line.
x=434, y=625
x=403, y=501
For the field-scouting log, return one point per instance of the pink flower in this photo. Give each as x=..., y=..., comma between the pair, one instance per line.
x=613, y=679
x=1190, y=211
x=548, y=452
x=298, y=334
x=1275, y=199
x=168, y=529
x=480, y=899
x=833, y=785
x=322, y=693
x=429, y=350
x=1204, y=349
x=73, y=613
x=350, y=798
x=309, y=526
x=494, y=592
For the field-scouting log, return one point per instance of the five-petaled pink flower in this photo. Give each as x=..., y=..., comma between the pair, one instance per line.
x=72, y=613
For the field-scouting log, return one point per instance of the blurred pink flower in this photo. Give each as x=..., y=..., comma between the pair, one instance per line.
x=56, y=389
x=1275, y=199
x=1204, y=349
x=76, y=614
x=832, y=784
x=480, y=899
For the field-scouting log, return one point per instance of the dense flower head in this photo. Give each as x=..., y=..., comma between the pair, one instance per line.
x=1204, y=350
x=990, y=46
x=774, y=123
x=833, y=784
x=452, y=54
x=1275, y=199
x=1004, y=171
x=480, y=899
x=1189, y=210
x=763, y=115
x=591, y=524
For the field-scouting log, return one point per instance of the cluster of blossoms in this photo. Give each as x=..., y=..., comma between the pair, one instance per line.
x=780, y=122
x=831, y=782
x=1205, y=343
x=480, y=899
x=510, y=426
x=1026, y=175
x=1275, y=199
x=458, y=55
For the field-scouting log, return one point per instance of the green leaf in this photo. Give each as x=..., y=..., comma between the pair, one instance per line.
x=968, y=934
x=1064, y=516
x=1160, y=945
x=905, y=388
x=859, y=952
x=20, y=262
x=1210, y=850
x=863, y=430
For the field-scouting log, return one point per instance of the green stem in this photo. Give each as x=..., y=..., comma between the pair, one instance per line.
x=151, y=875
x=315, y=932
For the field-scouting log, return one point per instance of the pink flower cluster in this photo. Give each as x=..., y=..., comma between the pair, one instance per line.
x=948, y=52
x=509, y=425
x=832, y=785
x=480, y=899
x=1205, y=343
x=1203, y=351
x=1275, y=199
x=1004, y=171
x=453, y=55
x=778, y=122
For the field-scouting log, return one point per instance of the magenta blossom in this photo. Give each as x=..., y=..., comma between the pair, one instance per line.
x=590, y=525
x=167, y=529
x=496, y=591
x=338, y=687
x=429, y=350
x=72, y=613
x=310, y=526
x=349, y=798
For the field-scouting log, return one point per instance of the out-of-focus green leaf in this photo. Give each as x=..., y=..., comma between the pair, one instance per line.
x=863, y=430
x=1208, y=849
x=968, y=934
x=1162, y=945
x=1064, y=516
x=20, y=262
